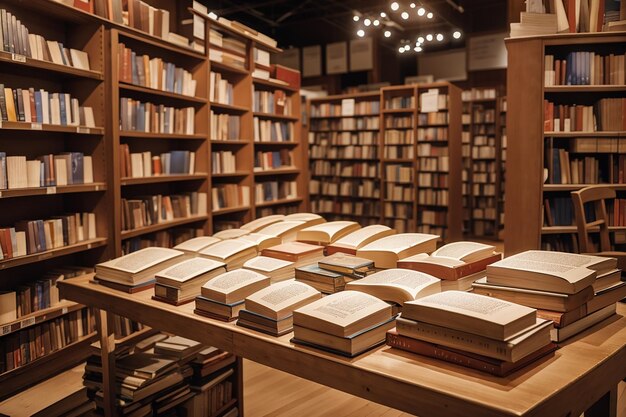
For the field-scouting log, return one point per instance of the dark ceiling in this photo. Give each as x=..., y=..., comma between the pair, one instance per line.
x=309, y=22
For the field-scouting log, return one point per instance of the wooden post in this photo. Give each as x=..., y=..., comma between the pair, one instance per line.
x=105, y=327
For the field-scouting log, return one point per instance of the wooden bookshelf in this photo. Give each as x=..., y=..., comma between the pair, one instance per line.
x=355, y=193
x=466, y=153
x=503, y=154
x=530, y=147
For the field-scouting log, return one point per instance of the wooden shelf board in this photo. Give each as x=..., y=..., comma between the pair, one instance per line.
x=285, y=171
x=400, y=160
x=132, y=33
x=548, y=230
x=273, y=84
x=127, y=234
x=219, y=66
x=163, y=178
x=584, y=88
x=228, y=108
x=229, y=142
x=275, y=116
x=279, y=202
x=231, y=174
x=40, y=316
x=47, y=66
x=228, y=210
x=583, y=134
x=347, y=116
x=396, y=111
x=61, y=189
x=81, y=130
x=345, y=159
x=165, y=136
x=574, y=187
x=361, y=197
x=286, y=143
x=161, y=93
x=53, y=253
x=346, y=130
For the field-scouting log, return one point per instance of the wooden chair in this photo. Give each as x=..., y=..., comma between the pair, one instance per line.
x=596, y=194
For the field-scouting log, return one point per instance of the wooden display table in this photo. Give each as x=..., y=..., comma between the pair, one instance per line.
x=583, y=375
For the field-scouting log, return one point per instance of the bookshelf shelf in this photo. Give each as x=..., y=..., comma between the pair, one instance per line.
x=229, y=210
x=231, y=174
x=127, y=234
x=79, y=130
x=585, y=89
x=276, y=144
x=163, y=178
x=36, y=65
x=181, y=98
x=163, y=136
x=218, y=66
x=398, y=111
x=285, y=171
x=40, y=316
x=574, y=187
x=143, y=37
x=273, y=116
x=584, y=134
x=228, y=108
x=62, y=189
x=273, y=84
x=53, y=253
x=229, y=142
x=279, y=202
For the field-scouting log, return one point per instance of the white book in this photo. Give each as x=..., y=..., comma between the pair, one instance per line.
x=80, y=59
x=87, y=169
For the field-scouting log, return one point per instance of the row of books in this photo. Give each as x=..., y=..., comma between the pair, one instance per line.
x=398, y=121
x=227, y=58
x=153, y=209
x=35, y=236
x=433, y=197
x=482, y=115
x=585, y=68
x=398, y=152
x=606, y=115
x=29, y=298
x=225, y=126
x=399, y=137
x=346, y=123
x=433, y=118
x=272, y=131
x=138, y=116
x=273, y=160
x=143, y=164
x=26, y=346
x=432, y=134
x=559, y=211
x=275, y=190
x=582, y=170
x=220, y=89
x=344, y=152
x=399, y=173
x=345, y=170
x=347, y=107
x=598, y=145
x=439, y=164
x=426, y=150
x=479, y=94
x=274, y=102
x=344, y=138
x=40, y=106
x=46, y=171
x=430, y=179
x=399, y=193
x=223, y=162
x=400, y=102
x=230, y=195
x=153, y=72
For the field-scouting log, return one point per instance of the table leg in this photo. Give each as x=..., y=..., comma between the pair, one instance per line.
x=605, y=406
x=106, y=328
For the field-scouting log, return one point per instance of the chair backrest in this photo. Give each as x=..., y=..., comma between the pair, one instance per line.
x=596, y=194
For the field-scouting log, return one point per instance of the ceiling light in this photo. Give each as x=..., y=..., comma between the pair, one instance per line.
x=360, y=33
x=367, y=22
x=401, y=50
x=439, y=37
x=429, y=37
x=456, y=35
x=395, y=6
x=405, y=15
x=376, y=22
x=407, y=47
x=383, y=14
x=429, y=15
x=212, y=15
x=387, y=34
x=356, y=18
x=412, y=5
x=420, y=39
x=421, y=11
x=418, y=49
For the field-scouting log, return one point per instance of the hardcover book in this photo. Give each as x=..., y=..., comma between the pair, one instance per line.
x=138, y=267
x=359, y=238
x=386, y=252
x=326, y=233
x=397, y=285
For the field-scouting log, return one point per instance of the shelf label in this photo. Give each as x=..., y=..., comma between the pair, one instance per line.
x=51, y=190
x=5, y=330
x=97, y=188
x=81, y=129
x=88, y=245
x=64, y=311
x=18, y=58
x=27, y=322
x=36, y=126
x=0, y=194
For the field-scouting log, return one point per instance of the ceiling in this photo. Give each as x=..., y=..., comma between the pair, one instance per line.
x=309, y=22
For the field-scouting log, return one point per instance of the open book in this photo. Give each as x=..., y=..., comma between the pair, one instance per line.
x=190, y=272
x=137, y=267
x=453, y=261
x=232, y=252
x=359, y=238
x=343, y=314
x=387, y=251
x=397, y=285
x=234, y=286
x=258, y=224
x=276, y=269
x=278, y=301
x=548, y=271
x=309, y=219
x=196, y=244
x=230, y=233
x=473, y=313
x=285, y=230
x=262, y=241
x=325, y=233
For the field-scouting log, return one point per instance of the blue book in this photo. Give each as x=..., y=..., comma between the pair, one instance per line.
x=40, y=238
x=38, y=106
x=178, y=161
x=556, y=167
x=568, y=69
x=276, y=163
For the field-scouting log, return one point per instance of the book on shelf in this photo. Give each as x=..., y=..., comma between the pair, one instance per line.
x=271, y=102
x=264, y=161
x=273, y=131
x=262, y=241
x=472, y=313
x=297, y=252
x=137, y=267
x=181, y=282
x=347, y=323
x=397, y=285
x=268, y=191
x=223, y=162
x=148, y=210
x=223, y=296
x=225, y=126
x=326, y=233
x=196, y=244
x=386, y=252
x=139, y=116
x=233, y=252
x=230, y=195
x=270, y=310
x=453, y=260
x=481, y=363
x=144, y=164
x=258, y=224
x=348, y=265
x=220, y=89
x=355, y=240
x=584, y=68
x=549, y=271
x=327, y=282
x=286, y=230
x=8, y=307
x=560, y=334
x=277, y=269
x=603, y=115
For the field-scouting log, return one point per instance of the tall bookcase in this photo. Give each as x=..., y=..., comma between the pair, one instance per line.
x=531, y=224
x=466, y=151
x=503, y=143
x=344, y=156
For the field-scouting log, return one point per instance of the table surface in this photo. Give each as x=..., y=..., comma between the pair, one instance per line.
x=578, y=375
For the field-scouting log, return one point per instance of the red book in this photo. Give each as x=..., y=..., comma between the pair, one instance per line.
x=571, y=15
x=451, y=273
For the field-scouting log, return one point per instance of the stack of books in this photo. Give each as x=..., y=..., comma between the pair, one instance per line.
x=135, y=271
x=181, y=283
x=222, y=297
x=331, y=273
x=277, y=269
x=270, y=310
x=347, y=323
x=574, y=291
x=213, y=382
x=457, y=264
x=262, y=241
x=297, y=252
x=476, y=331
